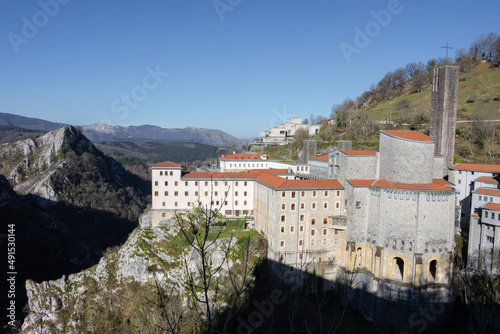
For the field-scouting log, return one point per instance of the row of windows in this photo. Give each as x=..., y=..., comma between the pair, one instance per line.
x=486, y=213
x=312, y=242
x=303, y=193
x=228, y=212
x=302, y=219
x=253, y=165
x=301, y=229
x=402, y=196
x=302, y=206
x=216, y=183
x=166, y=173
x=485, y=198
x=200, y=203
x=186, y=193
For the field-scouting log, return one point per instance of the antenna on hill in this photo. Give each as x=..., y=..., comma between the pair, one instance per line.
x=447, y=48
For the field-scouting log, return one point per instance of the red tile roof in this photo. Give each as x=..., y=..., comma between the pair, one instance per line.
x=323, y=157
x=220, y=175
x=406, y=134
x=281, y=183
x=244, y=156
x=492, y=206
x=361, y=183
x=436, y=185
x=487, y=179
x=487, y=191
x=477, y=167
x=167, y=164
x=359, y=152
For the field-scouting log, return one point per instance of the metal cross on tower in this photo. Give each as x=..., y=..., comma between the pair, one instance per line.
x=447, y=47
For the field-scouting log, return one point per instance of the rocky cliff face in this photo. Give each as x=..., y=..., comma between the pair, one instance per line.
x=70, y=203
x=122, y=292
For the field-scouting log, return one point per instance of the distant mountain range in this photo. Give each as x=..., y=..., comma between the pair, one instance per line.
x=100, y=132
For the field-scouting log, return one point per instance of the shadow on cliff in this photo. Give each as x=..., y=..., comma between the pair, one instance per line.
x=290, y=300
x=52, y=239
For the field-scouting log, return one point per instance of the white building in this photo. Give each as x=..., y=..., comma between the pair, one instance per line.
x=285, y=132
x=245, y=161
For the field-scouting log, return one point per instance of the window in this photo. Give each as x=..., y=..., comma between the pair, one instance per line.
x=236, y=183
x=490, y=239
x=486, y=214
x=325, y=221
x=338, y=192
x=156, y=183
x=480, y=198
x=166, y=183
x=282, y=229
x=206, y=193
x=176, y=204
x=244, y=193
x=283, y=218
x=301, y=205
x=163, y=214
x=225, y=203
x=303, y=194
x=225, y=183
x=291, y=228
x=216, y=193
x=336, y=232
x=186, y=183
x=281, y=257
x=292, y=206
x=235, y=202
x=176, y=183
x=206, y=183
x=293, y=194
x=300, y=244
x=282, y=194
x=156, y=193
x=245, y=183
x=196, y=183
x=166, y=193
x=325, y=205
x=171, y=173
x=282, y=244
x=326, y=193
x=216, y=183
x=301, y=228
x=325, y=231
x=313, y=205
x=313, y=221
x=244, y=202
x=358, y=205
x=161, y=172
x=186, y=193
x=217, y=203
x=491, y=199
x=176, y=193
x=189, y=203
x=301, y=218
x=459, y=181
x=235, y=193
x=313, y=242
x=324, y=244
x=314, y=193
x=337, y=205
x=196, y=193
x=283, y=206
x=225, y=193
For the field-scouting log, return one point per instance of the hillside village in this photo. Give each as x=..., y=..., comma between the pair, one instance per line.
x=393, y=213
x=401, y=235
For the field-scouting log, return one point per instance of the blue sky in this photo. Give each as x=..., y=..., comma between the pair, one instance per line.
x=235, y=65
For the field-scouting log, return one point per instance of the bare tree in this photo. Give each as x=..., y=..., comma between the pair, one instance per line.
x=465, y=61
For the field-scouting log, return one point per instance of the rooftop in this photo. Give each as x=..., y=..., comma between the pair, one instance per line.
x=359, y=152
x=477, y=167
x=487, y=191
x=436, y=185
x=220, y=175
x=323, y=157
x=361, y=183
x=486, y=179
x=168, y=164
x=409, y=135
x=281, y=183
x=492, y=206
